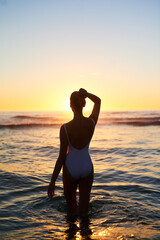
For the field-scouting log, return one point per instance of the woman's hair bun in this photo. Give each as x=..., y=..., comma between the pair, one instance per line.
x=77, y=100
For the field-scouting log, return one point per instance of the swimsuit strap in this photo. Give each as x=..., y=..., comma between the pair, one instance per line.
x=66, y=133
x=93, y=122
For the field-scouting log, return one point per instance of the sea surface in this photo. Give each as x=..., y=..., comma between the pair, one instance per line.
x=125, y=198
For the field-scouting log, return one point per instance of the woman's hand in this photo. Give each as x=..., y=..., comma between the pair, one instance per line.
x=83, y=92
x=51, y=189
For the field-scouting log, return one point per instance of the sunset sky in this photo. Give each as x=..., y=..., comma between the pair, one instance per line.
x=49, y=48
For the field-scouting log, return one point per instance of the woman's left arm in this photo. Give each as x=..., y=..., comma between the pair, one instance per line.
x=59, y=163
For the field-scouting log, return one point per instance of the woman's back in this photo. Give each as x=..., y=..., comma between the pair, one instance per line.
x=80, y=132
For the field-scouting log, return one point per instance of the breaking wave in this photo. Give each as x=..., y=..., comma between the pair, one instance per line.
x=144, y=121
x=43, y=118
x=28, y=125
x=138, y=119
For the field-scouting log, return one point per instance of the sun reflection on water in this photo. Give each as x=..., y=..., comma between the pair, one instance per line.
x=110, y=233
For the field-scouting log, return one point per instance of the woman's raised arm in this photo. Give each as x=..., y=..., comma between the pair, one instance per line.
x=97, y=103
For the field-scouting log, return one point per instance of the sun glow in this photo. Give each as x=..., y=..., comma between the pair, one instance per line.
x=39, y=71
x=66, y=106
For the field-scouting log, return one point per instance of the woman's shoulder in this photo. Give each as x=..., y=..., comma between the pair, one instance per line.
x=64, y=128
x=90, y=121
x=66, y=125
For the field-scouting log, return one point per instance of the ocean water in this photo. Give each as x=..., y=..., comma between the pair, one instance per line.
x=125, y=198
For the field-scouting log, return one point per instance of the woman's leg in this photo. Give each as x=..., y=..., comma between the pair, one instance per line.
x=85, y=186
x=70, y=189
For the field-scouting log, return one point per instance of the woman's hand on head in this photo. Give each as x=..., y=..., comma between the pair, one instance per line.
x=83, y=92
x=51, y=189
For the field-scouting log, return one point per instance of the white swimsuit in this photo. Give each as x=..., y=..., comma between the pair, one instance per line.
x=78, y=161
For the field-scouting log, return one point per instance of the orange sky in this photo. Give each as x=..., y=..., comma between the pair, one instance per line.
x=49, y=49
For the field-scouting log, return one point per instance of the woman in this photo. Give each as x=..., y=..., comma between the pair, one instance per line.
x=75, y=137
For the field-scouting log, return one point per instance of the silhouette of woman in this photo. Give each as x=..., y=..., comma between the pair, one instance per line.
x=74, y=157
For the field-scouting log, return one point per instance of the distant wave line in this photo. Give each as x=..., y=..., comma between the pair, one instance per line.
x=28, y=125
x=26, y=121
x=139, y=121
x=34, y=125
x=35, y=117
